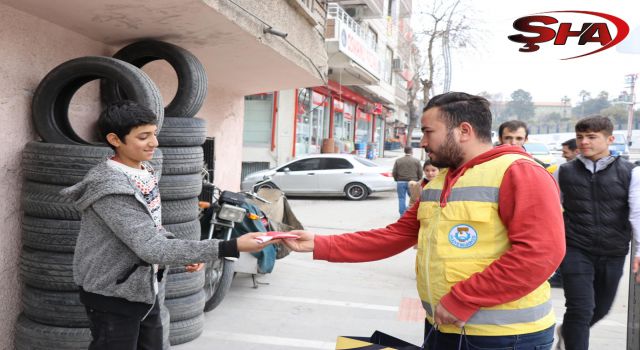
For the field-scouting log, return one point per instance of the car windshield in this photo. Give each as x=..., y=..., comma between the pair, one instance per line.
x=365, y=162
x=536, y=148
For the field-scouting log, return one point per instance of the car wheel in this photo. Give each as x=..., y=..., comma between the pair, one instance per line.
x=356, y=191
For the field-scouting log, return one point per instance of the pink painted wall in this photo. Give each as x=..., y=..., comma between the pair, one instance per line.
x=30, y=48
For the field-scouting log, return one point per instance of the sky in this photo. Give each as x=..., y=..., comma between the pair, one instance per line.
x=495, y=65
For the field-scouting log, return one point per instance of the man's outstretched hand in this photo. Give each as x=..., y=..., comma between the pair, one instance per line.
x=304, y=242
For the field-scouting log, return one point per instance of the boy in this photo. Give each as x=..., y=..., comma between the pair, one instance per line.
x=122, y=247
x=600, y=196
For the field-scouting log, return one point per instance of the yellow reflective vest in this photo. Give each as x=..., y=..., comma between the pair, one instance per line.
x=462, y=239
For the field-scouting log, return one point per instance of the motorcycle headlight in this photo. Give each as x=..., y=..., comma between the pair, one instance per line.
x=231, y=213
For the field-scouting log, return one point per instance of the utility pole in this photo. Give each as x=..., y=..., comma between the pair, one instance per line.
x=633, y=316
x=630, y=80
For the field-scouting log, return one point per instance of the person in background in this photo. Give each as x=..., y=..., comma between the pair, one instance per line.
x=405, y=169
x=570, y=150
x=513, y=132
x=601, y=200
x=489, y=232
x=415, y=187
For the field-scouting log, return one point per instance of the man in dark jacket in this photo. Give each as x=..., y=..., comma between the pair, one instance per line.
x=601, y=208
x=406, y=169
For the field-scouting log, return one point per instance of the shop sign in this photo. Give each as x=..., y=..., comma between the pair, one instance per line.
x=338, y=105
x=354, y=46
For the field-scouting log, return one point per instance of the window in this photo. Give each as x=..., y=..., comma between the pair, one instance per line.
x=388, y=65
x=371, y=38
x=304, y=165
x=336, y=163
x=258, y=116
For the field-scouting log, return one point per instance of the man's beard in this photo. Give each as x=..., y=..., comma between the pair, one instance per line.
x=449, y=155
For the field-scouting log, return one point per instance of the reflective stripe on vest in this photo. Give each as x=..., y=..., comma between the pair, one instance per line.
x=504, y=317
x=476, y=194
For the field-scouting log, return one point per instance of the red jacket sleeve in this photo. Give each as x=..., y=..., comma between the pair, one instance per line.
x=370, y=245
x=529, y=207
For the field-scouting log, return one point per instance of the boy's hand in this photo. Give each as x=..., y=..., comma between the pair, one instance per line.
x=248, y=242
x=635, y=267
x=194, y=267
x=303, y=244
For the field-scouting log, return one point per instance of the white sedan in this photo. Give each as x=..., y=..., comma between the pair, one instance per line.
x=325, y=175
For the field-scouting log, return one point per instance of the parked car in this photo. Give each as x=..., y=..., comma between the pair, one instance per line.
x=326, y=175
x=541, y=152
x=416, y=137
x=619, y=146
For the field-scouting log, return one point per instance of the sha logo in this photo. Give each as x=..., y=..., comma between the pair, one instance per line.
x=595, y=29
x=463, y=236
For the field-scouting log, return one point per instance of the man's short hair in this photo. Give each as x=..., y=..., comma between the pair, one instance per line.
x=571, y=144
x=408, y=150
x=459, y=107
x=596, y=123
x=120, y=117
x=513, y=125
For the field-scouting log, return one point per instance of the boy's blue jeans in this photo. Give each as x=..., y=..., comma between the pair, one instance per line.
x=125, y=330
x=402, y=188
x=542, y=340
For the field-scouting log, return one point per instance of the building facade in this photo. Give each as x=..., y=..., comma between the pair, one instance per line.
x=361, y=104
x=229, y=38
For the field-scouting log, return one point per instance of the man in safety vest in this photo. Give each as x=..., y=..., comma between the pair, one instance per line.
x=489, y=231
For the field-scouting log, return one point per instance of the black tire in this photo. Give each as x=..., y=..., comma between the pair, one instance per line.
x=45, y=201
x=54, y=308
x=182, y=132
x=179, y=211
x=186, y=330
x=50, y=107
x=192, y=78
x=35, y=336
x=217, y=287
x=174, y=187
x=49, y=234
x=182, y=160
x=183, y=284
x=47, y=270
x=186, y=230
x=186, y=307
x=61, y=164
x=356, y=191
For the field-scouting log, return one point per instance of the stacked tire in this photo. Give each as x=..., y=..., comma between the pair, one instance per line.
x=53, y=317
x=180, y=139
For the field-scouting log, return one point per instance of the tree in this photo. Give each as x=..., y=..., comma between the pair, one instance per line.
x=442, y=26
x=618, y=114
x=590, y=106
x=520, y=106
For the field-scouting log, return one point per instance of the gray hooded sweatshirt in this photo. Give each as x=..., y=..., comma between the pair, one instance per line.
x=119, y=241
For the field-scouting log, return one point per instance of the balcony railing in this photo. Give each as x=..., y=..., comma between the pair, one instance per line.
x=336, y=12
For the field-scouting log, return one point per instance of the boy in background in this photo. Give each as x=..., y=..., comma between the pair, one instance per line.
x=122, y=249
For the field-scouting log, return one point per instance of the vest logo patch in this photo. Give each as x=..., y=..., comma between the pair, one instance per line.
x=463, y=236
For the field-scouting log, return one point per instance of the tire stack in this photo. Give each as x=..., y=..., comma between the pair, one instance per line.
x=53, y=317
x=180, y=139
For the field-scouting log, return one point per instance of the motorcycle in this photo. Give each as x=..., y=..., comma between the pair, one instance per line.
x=228, y=215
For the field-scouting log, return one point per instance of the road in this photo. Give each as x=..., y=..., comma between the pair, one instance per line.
x=307, y=304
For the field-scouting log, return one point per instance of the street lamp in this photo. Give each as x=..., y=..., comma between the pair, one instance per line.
x=630, y=81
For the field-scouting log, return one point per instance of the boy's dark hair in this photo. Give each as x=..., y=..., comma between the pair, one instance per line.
x=459, y=107
x=596, y=123
x=408, y=150
x=513, y=125
x=121, y=116
x=571, y=144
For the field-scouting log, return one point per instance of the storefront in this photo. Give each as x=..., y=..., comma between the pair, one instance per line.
x=335, y=112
